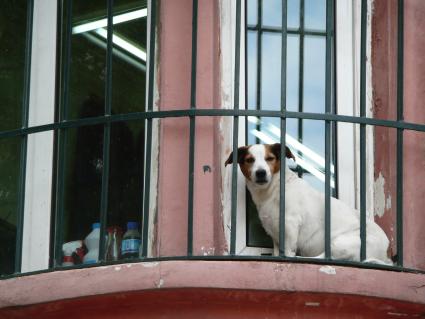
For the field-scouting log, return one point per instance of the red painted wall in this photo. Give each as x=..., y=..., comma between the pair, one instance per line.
x=217, y=303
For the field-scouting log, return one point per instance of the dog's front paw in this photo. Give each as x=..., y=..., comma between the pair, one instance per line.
x=289, y=253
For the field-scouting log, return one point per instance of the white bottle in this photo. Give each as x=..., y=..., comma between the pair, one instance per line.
x=92, y=244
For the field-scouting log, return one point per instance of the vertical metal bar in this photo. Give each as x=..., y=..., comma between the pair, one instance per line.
x=106, y=131
x=301, y=80
x=235, y=130
x=328, y=106
x=400, y=117
x=282, y=202
x=192, y=127
x=147, y=174
x=62, y=139
x=335, y=191
x=259, y=61
x=363, y=131
x=24, y=139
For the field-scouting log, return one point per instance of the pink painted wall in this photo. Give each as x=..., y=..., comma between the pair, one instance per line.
x=175, y=41
x=414, y=149
x=384, y=68
x=141, y=290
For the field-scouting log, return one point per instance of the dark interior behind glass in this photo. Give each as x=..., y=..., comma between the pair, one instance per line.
x=13, y=25
x=87, y=98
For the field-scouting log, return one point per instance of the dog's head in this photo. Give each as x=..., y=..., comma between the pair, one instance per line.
x=260, y=162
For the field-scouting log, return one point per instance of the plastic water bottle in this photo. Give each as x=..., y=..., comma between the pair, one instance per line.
x=131, y=241
x=92, y=244
x=113, y=243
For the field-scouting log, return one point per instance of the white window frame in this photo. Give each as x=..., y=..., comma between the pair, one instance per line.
x=40, y=149
x=39, y=170
x=348, y=99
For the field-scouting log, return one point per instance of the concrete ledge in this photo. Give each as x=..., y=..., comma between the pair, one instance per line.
x=236, y=275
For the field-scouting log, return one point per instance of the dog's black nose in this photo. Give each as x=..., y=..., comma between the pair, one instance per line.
x=260, y=174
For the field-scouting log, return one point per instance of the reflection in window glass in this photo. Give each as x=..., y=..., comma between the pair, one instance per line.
x=314, y=74
x=13, y=25
x=270, y=71
x=272, y=13
x=88, y=59
x=305, y=92
x=315, y=14
x=87, y=96
x=252, y=12
x=13, y=16
x=292, y=72
x=293, y=15
x=252, y=69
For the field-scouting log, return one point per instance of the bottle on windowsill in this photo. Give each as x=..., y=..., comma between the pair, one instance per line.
x=131, y=241
x=92, y=244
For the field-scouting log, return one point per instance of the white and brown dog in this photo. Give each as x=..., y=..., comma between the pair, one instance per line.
x=304, y=211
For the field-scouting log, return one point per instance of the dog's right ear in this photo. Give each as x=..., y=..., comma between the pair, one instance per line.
x=241, y=155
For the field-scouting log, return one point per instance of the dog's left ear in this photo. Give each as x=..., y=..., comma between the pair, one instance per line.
x=276, y=151
x=241, y=155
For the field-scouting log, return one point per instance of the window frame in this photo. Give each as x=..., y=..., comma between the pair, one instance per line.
x=347, y=18
x=38, y=242
x=39, y=172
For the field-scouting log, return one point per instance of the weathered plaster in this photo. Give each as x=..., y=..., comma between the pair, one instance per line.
x=382, y=202
x=241, y=275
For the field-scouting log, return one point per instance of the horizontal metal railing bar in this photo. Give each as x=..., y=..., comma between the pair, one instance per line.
x=297, y=260
x=211, y=112
x=289, y=30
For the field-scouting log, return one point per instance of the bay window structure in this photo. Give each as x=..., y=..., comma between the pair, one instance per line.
x=126, y=110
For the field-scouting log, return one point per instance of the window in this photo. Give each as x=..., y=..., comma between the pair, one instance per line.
x=100, y=166
x=305, y=87
x=93, y=86
x=56, y=126
x=15, y=17
x=306, y=72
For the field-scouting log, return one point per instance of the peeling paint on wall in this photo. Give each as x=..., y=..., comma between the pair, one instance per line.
x=328, y=270
x=381, y=202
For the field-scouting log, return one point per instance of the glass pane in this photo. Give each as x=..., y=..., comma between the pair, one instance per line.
x=272, y=13
x=252, y=69
x=88, y=58
x=252, y=12
x=83, y=178
x=125, y=175
x=9, y=179
x=84, y=146
x=271, y=71
x=129, y=57
x=257, y=236
x=13, y=25
x=314, y=74
x=293, y=14
x=292, y=72
x=315, y=14
x=13, y=18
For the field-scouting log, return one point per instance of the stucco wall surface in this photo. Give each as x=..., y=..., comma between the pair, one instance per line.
x=252, y=275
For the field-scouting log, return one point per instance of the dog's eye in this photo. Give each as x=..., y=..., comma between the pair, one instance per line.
x=250, y=160
x=269, y=159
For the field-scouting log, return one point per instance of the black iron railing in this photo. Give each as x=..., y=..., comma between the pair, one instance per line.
x=63, y=124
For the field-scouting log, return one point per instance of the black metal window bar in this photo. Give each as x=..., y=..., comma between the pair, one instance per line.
x=63, y=124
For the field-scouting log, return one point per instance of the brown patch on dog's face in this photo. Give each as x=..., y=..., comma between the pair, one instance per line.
x=247, y=164
x=272, y=157
x=245, y=160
